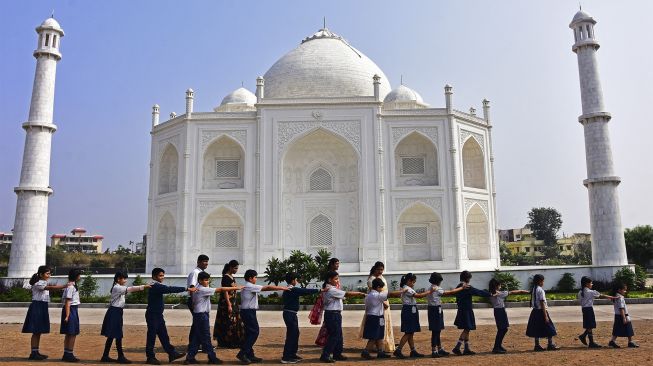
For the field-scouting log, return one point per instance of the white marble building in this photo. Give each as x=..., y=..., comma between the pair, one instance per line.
x=325, y=155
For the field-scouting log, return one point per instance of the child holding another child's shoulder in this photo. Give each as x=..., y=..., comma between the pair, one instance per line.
x=374, y=330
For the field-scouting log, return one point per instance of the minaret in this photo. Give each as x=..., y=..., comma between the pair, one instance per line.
x=608, y=244
x=31, y=225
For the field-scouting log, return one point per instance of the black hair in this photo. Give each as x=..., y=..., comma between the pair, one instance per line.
x=290, y=276
x=536, y=279
x=435, y=279
x=465, y=276
x=202, y=257
x=616, y=286
x=377, y=283
x=331, y=263
x=116, y=277
x=405, y=278
x=37, y=276
x=203, y=276
x=376, y=266
x=250, y=273
x=330, y=275
x=73, y=274
x=228, y=266
x=156, y=271
x=493, y=286
x=584, y=281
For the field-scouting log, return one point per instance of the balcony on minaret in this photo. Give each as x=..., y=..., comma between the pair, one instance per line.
x=583, y=26
x=50, y=34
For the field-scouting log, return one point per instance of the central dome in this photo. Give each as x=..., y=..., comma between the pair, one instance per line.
x=324, y=65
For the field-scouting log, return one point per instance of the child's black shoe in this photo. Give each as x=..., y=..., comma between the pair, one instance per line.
x=175, y=356
x=340, y=358
x=538, y=348
x=583, y=338
x=594, y=345
x=456, y=351
x=108, y=359
x=255, y=359
x=69, y=357
x=366, y=355
x=244, y=360
x=35, y=356
x=633, y=345
x=443, y=353
x=414, y=353
x=327, y=360
x=215, y=361
x=191, y=361
x=152, y=361
x=468, y=352
x=397, y=353
x=383, y=355
x=288, y=360
x=435, y=354
x=552, y=347
x=498, y=351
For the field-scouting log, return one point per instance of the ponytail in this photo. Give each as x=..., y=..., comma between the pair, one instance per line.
x=228, y=266
x=584, y=281
x=34, y=279
x=116, y=277
x=493, y=285
x=536, y=279
x=37, y=276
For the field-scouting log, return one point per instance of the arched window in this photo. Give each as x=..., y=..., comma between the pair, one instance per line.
x=168, y=170
x=321, y=231
x=416, y=161
x=478, y=245
x=321, y=180
x=473, y=165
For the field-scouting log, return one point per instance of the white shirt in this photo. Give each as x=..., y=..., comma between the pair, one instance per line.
x=39, y=293
x=434, y=298
x=620, y=303
x=249, y=296
x=540, y=296
x=407, y=296
x=587, y=296
x=118, y=293
x=498, y=300
x=202, y=299
x=71, y=293
x=192, y=277
x=333, y=298
x=374, y=302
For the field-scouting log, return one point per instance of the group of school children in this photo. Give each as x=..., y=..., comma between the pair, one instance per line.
x=540, y=325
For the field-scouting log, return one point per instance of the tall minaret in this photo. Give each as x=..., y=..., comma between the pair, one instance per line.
x=608, y=245
x=31, y=225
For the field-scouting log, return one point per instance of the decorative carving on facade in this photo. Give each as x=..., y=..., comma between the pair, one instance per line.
x=162, y=209
x=469, y=202
x=464, y=135
x=317, y=115
x=398, y=133
x=433, y=202
x=349, y=130
x=207, y=206
x=173, y=140
x=311, y=211
x=238, y=135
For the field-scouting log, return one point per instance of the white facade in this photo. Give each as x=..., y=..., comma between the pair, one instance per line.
x=325, y=155
x=608, y=243
x=31, y=221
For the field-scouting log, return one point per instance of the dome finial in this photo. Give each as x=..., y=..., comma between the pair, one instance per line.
x=401, y=78
x=323, y=22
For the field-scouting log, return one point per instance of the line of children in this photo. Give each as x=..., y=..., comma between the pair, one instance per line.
x=500, y=315
x=37, y=320
x=586, y=295
x=112, y=323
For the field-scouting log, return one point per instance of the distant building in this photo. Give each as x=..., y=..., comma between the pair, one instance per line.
x=141, y=248
x=511, y=235
x=5, y=239
x=522, y=241
x=78, y=241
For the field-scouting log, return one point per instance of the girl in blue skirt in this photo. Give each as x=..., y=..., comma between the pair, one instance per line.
x=500, y=316
x=69, y=315
x=540, y=324
x=465, y=319
x=409, y=314
x=623, y=326
x=586, y=297
x=37, y=320
x=435, y=314
x=112, y=324
x=374, y=328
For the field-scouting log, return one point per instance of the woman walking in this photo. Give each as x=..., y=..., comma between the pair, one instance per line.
x=228, y=328
x=388, y=341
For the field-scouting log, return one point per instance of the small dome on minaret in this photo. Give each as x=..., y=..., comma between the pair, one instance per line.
x=50, y=24
x=582, y=16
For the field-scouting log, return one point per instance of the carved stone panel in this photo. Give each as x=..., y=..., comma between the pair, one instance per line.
x=349, y=130
x=464, y=135
x=206, y=206
x=399, y=133
x=469, y=202
x=208, y=136
x=402, y=203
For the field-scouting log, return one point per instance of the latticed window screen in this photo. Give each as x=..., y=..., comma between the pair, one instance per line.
x=415, y=235
x=227, y=168
x=321, y=232
x=226, y=238
x=320, y=180
x=412, y=165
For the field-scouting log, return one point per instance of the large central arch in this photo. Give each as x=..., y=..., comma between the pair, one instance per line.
x=319, y=196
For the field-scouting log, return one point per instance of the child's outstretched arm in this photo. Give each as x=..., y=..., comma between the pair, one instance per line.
x=138, y=288
x=355, y=294
x=423, y=294
x=223, y=289
x=274, y=288
x=456, y=290
x=54, y=287
x=395, y=293
x=518, y=292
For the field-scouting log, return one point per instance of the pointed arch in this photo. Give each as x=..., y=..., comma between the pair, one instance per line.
x=223, y=164
x=419, y=230
x=166, y=241
x=168, y=170
x=473, y=164
x=416, y=161
x=478, y=233
x=222, y=235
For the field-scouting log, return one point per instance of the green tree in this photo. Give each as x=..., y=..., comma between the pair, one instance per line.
x=507, y=279
x=639, y=244
x=138, y=297
x=89, y=285
x=307, y=267
x=55, y=256
x=545, y=223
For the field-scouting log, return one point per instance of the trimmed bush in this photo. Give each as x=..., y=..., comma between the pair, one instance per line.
x=508, y=280
x=567, y=283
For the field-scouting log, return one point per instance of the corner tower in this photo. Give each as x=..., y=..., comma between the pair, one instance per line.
x=31, y=222
x=608, y=244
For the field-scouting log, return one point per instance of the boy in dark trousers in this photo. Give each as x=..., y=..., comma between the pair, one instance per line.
x=156, y=325
x=290, y=308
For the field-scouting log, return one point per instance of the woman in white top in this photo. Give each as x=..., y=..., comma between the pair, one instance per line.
x=623, y=326
x=37, y=320
x=389, y=340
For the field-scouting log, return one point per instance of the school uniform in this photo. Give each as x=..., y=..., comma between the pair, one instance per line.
x=619, y=329
x=586, y=297
x=409, y=313
x=500, y=317
x=156, y=324
x=37, y=320
x=537, y=327
x=70, y=327
x=112, y=324
x=201, y=327
x=465, y=314
x=332, y=300
x=249, y=305
x=374, y=321
x=290, y=309
x=191, y=281
x=435, y=314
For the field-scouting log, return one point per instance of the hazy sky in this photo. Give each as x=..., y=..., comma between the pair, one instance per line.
x=121, y=57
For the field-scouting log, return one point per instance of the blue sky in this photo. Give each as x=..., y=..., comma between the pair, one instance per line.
x=120, y=57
